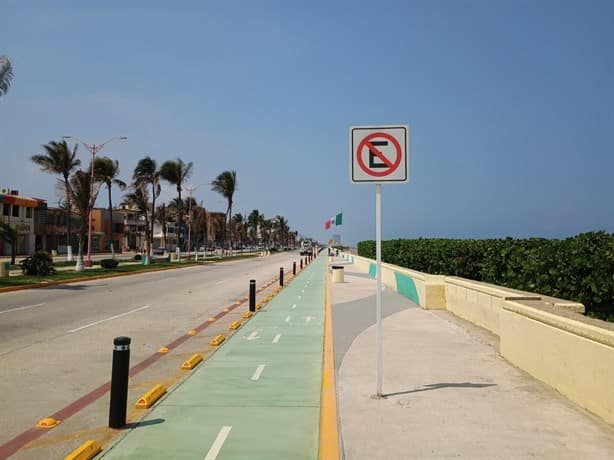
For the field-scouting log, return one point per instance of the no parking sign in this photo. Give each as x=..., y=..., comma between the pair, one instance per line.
x=379, y=154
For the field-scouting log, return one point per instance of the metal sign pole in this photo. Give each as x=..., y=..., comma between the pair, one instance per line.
x=378, y=294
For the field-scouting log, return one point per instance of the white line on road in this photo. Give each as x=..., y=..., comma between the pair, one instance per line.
x=258, y=372
x=218, y=443
x=220, y=282
x=293, y=305
x=253, y=335
x=308, y=318
x=288, y=319
x=109, y=319
x=22, y=308
x=299, y=297
x=276, y=339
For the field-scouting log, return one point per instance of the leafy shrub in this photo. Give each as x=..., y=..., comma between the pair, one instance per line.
x=109, y=263
x=38, y=264
x=580, y=268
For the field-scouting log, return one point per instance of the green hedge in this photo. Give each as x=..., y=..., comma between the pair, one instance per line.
x=580, y=268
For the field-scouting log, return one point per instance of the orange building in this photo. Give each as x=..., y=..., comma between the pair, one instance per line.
x=103, y=232
x=18, y=211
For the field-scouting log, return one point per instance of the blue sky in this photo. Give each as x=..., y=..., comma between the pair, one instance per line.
x=510, y=105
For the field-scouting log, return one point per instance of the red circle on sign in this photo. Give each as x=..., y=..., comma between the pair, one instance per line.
x=392, y=166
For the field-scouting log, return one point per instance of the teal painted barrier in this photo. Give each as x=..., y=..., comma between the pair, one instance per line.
x=372, y=270
x=406, y=287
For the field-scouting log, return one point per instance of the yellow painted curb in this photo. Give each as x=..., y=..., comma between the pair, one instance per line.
x=235, y=325
x=147, y=400
x=47, y=422
x=247, y=314
x=259, y=306
x=86, y=451
x=329, y=435
x=217, y=340
x=192, y=362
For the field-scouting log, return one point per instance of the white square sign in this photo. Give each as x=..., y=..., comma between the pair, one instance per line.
x=379, y=154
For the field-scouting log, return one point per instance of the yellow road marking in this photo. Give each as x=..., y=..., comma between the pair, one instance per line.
x=329, y=435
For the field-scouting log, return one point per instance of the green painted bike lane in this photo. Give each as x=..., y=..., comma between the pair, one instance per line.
x=257, y=397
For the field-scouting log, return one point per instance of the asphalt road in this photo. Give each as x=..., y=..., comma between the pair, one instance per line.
x=56, y=343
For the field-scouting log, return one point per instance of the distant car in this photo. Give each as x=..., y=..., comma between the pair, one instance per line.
x=306, y=247
x=158, y=251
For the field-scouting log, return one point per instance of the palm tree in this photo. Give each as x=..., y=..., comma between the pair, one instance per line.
x=239, y=228
x=138, y=199
x=252, y=222
x=146, y=172
x=81, y=193
x=6, y=74
x=9, y=235
x=58, y=159
x=199, y=224
x=175, y=173
x=282, y=230
x=161, y=216
x=266, y=227
x=226, y=185
x=215, y=223
x=106, y=171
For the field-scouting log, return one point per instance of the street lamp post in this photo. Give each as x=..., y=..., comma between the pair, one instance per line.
x=93, y=149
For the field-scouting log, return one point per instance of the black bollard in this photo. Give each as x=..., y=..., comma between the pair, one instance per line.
x=119, y=382
x=281, y=276
x=293, y=268
x=301, y=263
x=252, y=295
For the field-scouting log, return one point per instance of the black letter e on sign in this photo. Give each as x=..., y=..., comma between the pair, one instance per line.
x=372, y=156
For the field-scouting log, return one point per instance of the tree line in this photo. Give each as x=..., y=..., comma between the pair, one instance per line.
x=78, y=193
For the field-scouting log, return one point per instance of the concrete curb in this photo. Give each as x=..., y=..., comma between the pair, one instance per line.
x=329, y=434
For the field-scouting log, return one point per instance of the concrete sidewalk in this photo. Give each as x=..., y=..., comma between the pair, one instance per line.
x=448, y=392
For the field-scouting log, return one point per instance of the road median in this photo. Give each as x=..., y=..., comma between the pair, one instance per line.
x=19, y=283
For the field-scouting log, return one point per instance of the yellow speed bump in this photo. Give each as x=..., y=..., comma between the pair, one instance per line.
x=217, y=340
x=235, y=325
x=147, y=400
x=247, y=314
x=192, y=362
x=85, y=451
x=163, y=350
x=192, y=332
x=226, y=310
x=211, y=319
x=47, y=422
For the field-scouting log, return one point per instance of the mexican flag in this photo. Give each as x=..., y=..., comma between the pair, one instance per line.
x=336, y=220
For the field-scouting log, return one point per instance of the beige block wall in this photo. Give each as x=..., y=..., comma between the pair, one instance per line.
x=481, y=303
x=579, y=367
